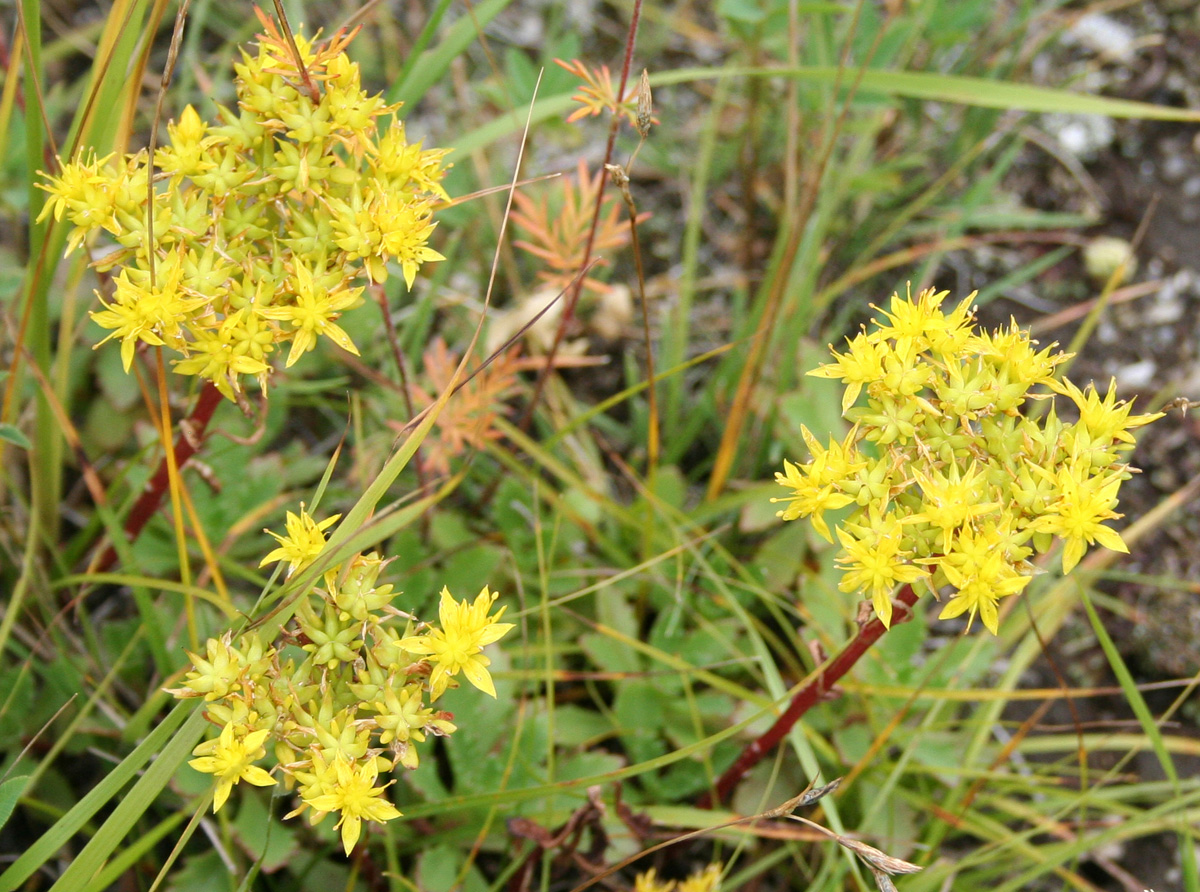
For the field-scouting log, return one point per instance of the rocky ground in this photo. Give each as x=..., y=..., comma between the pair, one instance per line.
x=1141, y=180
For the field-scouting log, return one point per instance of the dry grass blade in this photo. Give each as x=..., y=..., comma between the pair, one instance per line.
x=881, y=864
x=808, y=797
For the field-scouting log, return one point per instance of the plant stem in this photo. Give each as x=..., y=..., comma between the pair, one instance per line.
x=809, y=695
x=573, y=295
x=185, y=447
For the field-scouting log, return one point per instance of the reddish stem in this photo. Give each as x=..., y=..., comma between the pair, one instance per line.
x=819, y=684
x=185, y=447
x=573, y=295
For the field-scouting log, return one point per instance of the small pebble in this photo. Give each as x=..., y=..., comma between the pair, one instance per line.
x=1164, y=309
x=1175, y=168
x=1104, y=36
x=1136, y=375
x=1104, y=254
x=1080, y=135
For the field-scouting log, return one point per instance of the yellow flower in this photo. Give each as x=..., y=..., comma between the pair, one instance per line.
x=84, y=191
x=220, y=356
x=406, y=166
x=153, y=314
x=876, y=562
x=231, y=760
x=922, y=324
x=318, y=302
x=950, y=499
x=403, y=717
x=981, y=564
x=815, y=485
x=455, y=647
x=1078, y=515
x=706, y=880
x=861, y=364
x=1106, y=421
x=304, y=540
x=217, y=676
x=399, y=226
x=976, y=486
x=187, y=152
x=649, y=882
x=1016, y=356
x=354, y=794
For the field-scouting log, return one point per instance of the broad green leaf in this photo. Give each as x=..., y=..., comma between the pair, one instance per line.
x=262, y=836
x=10, y=792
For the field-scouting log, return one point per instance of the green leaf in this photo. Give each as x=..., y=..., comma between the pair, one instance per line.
x=973, y=91
x=201, y=873
x=744, y=12
x=171, y=744
x=439, y=869
x=12, y=434
x=267, y=840
x=10, y=792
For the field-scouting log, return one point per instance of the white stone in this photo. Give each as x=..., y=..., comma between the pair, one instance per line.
x=1104, y=36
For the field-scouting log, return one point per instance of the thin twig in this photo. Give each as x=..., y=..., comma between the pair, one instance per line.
x=168, y=72
x=806, y=798
x=621, y=180
x=309, y=84
x=401, y=369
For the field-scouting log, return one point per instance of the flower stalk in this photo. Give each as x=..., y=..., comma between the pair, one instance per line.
x=812, y=692
x=954, y=484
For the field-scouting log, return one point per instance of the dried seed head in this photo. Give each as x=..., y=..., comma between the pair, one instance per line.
x=645, y=105
x=875, y=859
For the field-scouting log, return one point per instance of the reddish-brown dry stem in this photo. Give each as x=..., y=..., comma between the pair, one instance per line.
x=185, y=447
x=819, y=684
x=577, y=286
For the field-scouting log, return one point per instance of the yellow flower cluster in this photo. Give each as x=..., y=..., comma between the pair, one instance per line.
x=706, y=880
x=954, y=483
x=265, y=224
x=343, y=696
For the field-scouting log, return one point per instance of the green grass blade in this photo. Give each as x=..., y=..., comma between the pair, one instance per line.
x=1150, y=727
x=433, y=64
x=167, y=757
x=971, y=91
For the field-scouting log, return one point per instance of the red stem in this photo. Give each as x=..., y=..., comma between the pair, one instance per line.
x=819, y=684
x=573, y=296
x=148, y=502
